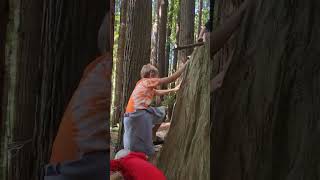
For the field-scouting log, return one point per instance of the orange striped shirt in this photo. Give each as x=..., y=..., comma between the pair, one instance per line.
x=142, y=94
x=84, y=126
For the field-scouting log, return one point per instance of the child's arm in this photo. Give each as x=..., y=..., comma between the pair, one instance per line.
x=174, y=76
x=166, y=91
x=222, y=34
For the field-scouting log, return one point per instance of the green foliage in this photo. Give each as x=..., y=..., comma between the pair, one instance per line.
x=169, y=100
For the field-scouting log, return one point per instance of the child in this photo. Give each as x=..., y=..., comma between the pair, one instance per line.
x=140, y=117
x=133, y=166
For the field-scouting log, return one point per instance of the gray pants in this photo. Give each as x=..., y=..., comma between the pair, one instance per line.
x=93, y=166
x=138, y=129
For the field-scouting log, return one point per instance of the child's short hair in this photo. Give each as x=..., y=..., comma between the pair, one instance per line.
x=147, y=69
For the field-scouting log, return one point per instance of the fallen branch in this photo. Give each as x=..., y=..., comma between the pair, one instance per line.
x=188, y=46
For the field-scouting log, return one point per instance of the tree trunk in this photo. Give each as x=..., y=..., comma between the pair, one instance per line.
x=265, y=118
x=162, y=37
x=186, y=151
x=175, y=53
x=48, y=44
x=4, y=7
x=119, y=64
x=168, y=42
x=137, y=51
x=186, y=36
x=4, y=12
x=200, y=16
x=155, y=34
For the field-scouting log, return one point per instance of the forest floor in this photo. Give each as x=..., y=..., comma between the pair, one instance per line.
x=162, y=132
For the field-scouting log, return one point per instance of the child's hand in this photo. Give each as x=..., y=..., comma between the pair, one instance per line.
x=187, y=62
x=177, y=88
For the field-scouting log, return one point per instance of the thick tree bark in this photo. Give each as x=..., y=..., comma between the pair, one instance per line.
x=162, y=37
x=4, y=13
x=265, y=119
x=186, y=35
x=119, y=64
x=186, y=151
x=48, y=44
x=137, y=51
x=4, y=8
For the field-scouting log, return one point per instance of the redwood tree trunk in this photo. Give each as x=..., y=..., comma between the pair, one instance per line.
x=119, y=64
x=168, y=42
x=186, y=150
x=175, y=53
x=137, y=51
x=200, y=16
x=3, y=29
x=155, y=34
x=162, y=37
x=265, y=118
x=50, y=43
x=186, y=36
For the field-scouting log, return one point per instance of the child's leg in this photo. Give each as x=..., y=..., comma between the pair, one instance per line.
x=154, y=131
x=159, y=116
x=138, y=132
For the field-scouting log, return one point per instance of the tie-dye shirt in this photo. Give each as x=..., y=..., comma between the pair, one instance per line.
x=142, y=94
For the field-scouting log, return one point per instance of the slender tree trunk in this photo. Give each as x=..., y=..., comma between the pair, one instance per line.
x=137, y=51
x=48, y=43
x=265, y=118
x=175, y=55
x=162, y=37
x=119, y=64
x=186, y=36
x=167, y=66
x=200, y=16
x=155, y=35
x=168, y=42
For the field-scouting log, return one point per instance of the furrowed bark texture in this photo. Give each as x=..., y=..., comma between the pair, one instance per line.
x=186, y=151
x=265, y=118
x=48, y=44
